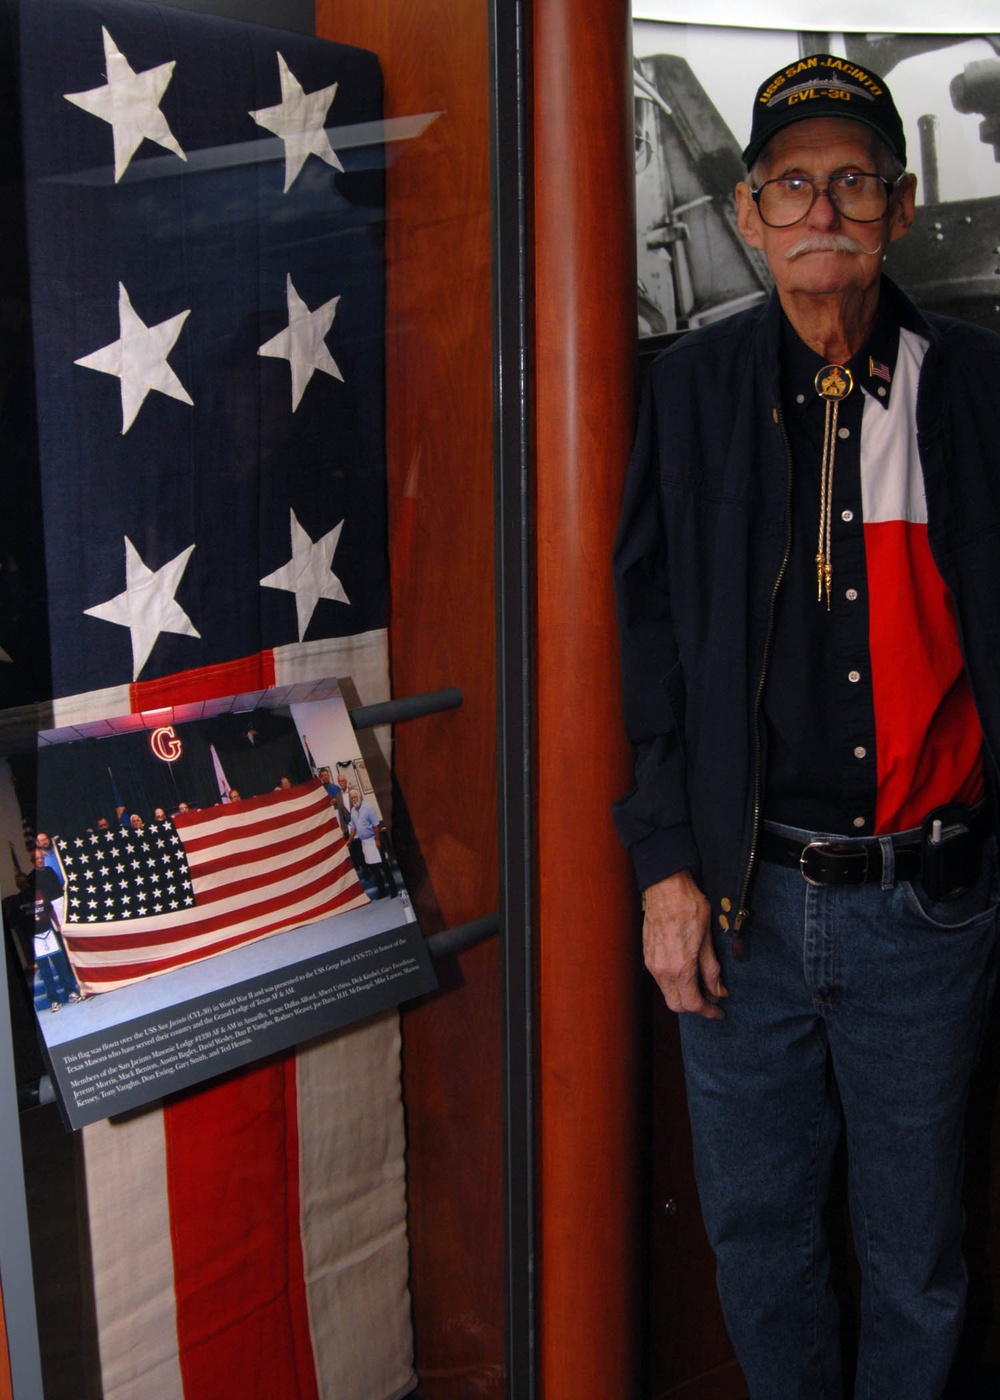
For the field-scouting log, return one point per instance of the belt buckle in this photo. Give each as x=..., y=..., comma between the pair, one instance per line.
x=841, y=852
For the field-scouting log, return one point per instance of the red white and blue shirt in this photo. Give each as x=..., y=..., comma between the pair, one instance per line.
x=869, y=715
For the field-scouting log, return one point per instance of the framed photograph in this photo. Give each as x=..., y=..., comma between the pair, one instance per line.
x=193, y=889
x=694, y=89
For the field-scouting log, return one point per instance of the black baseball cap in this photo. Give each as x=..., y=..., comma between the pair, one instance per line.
x=824, y=86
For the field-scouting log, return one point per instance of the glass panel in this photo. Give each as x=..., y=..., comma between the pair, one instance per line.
x=265, y=262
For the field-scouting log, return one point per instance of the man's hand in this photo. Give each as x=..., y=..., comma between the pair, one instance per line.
x=677, y=946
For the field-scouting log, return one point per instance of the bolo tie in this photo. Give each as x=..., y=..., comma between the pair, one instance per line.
x=833, y=384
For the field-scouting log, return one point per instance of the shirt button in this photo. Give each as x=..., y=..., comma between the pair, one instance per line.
x=800, y=398
x=859, y=821
x=851, y=595
x=843, y=432
x=860, y=751
x=854, y=677
x=847, y=515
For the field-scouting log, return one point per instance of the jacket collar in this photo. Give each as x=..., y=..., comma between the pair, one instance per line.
x=767, y=346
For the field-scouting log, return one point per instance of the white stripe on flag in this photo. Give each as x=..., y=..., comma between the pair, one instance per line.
x=130, y=1242
x=354, y=1219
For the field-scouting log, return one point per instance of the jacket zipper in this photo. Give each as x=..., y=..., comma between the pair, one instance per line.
x=742, y=911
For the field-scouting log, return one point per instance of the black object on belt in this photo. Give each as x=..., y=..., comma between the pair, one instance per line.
x=833, y=862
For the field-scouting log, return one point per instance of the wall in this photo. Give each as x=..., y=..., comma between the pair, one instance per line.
x=439, y=432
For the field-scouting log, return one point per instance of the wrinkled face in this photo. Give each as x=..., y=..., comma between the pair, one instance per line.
x=136, y=821
x=354, y=797
x=824, y=253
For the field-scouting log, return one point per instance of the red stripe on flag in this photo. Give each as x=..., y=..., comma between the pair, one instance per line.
x=233, y=1183
x=206, y=683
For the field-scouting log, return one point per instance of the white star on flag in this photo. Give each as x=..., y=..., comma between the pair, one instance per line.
x=298, y=119
x=139, y=358
x=130, y=102
x=308, y=574
x=147, y=607
x=302, y=344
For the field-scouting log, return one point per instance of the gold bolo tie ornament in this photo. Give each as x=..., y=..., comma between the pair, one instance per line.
x=833, y=383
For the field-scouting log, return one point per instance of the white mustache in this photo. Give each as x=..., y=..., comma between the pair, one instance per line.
x=829, y=243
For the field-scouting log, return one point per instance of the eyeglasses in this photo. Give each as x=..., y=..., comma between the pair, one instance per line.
x=862, y=198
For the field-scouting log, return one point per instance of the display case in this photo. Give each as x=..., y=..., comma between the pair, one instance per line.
x=185, y=1249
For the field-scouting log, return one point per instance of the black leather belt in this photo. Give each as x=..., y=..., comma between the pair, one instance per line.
x=945, y=853
x=834, y=862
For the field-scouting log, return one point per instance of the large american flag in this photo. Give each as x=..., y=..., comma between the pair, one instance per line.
x=139, y=903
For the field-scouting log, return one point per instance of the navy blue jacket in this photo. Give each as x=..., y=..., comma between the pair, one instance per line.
x=700, y=556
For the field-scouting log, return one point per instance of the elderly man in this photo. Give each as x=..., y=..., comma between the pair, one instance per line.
x=808, y=573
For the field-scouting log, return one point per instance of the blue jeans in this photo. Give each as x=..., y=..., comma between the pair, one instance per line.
x=57, y=979
x=859, y=1008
